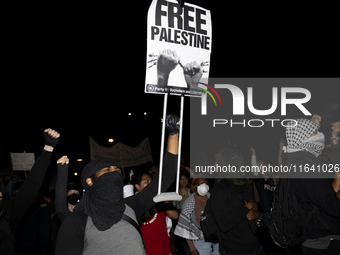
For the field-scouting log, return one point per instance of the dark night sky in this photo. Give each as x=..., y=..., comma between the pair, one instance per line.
x=81, y=69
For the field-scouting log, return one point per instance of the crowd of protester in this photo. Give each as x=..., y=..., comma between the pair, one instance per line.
x=97, y=219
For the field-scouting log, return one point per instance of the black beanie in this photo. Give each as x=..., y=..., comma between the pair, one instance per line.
x=71, y=186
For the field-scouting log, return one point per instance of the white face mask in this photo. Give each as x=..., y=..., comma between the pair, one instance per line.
x=203, y=189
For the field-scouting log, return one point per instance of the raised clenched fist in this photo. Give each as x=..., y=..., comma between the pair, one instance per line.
x=63, y=160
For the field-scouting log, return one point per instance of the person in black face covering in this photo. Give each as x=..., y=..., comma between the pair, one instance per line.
x=73, y=195
x=12, y=214
x=234, y=209
x=96, y=225
x=67, y=195
x=103, y=200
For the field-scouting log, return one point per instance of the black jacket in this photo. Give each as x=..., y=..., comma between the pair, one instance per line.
x=318, y=192
x=230, y=213
x=17, y=208
x=265, y=188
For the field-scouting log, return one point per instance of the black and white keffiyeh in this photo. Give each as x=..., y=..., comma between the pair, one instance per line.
x=299, y=137
x=185, y=227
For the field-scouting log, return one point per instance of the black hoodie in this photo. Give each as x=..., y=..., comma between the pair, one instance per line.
x=318, y=192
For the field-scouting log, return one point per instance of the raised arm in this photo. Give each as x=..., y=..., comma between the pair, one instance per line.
x=60, y=189
x=143, y=201
x=336, y=155
x=35, y=178
x=253, y=161
x=282, y=144
x=335, y=133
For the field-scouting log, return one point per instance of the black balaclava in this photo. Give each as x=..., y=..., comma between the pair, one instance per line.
x=103, y=201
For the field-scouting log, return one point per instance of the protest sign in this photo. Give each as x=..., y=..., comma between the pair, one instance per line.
x=22, y=161
x=123, y=155
x=178, y=48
